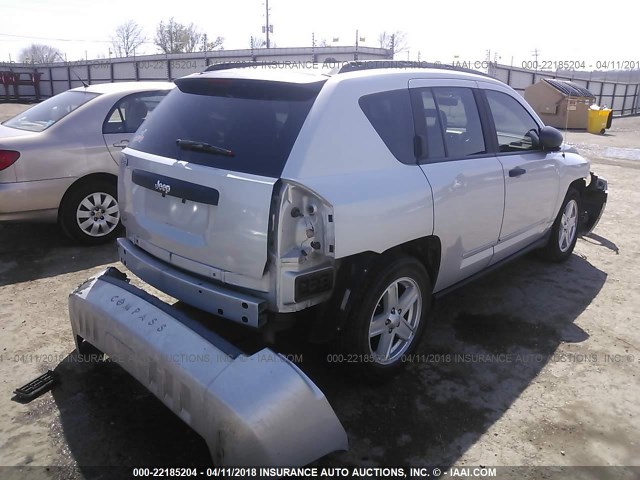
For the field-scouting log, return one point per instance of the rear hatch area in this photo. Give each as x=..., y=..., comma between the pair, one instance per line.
x=196, y=183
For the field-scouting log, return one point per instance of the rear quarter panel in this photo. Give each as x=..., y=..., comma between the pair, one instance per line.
x=378, y=201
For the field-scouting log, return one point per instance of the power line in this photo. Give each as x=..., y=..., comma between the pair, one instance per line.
x=31, y=37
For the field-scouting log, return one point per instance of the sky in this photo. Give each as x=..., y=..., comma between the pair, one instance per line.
x=445, y=31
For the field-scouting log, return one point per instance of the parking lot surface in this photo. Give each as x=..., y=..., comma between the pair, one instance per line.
x=534, y=365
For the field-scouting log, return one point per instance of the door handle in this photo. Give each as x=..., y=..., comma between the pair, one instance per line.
x=516, y=172
x=122, y=144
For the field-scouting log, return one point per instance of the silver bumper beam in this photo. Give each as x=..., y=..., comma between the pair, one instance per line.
x=251, y=410
x=196, y=292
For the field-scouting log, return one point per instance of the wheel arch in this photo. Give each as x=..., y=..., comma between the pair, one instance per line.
x=92, y=177
x=426, y=249
x=579, y=184
x=354, y=271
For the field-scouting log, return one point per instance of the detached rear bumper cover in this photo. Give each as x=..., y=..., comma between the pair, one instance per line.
x=251, y=410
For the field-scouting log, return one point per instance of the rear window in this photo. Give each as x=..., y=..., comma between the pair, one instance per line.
x=257, y=121
x=49, y=112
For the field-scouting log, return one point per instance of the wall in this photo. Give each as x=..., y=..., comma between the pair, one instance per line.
x=58, y=77
x=61, y=76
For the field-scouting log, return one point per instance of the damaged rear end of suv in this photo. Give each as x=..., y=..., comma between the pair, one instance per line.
x=197, y=187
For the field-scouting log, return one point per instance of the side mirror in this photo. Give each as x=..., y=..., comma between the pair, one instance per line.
x=550, y=138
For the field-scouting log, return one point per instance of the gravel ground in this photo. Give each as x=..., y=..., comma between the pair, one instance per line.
x=534, y=365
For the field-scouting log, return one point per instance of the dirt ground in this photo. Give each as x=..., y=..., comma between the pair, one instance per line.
x=534, y=365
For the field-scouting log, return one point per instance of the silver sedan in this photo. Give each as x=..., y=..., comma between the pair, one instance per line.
x=59, y=159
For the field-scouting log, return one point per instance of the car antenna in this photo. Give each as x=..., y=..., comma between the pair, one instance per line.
x=84, y=84
x=566, y=125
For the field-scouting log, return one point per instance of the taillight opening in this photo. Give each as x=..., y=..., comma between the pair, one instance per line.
x=8, y=158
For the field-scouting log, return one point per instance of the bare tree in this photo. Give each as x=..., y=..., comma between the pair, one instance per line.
x=261, y=42
x=258, y=42
x=192, y=38
x=208, y=46
x=174, y=37
x=39, y=53
x=127, y=38
x=394, y=41
x=170, y=36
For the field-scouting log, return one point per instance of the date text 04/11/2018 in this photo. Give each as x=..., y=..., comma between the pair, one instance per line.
x=552, y=65
x=313, y=472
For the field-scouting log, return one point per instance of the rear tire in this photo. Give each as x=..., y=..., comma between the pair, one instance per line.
x=387, y=320
x=564, y=232
x=90, y=213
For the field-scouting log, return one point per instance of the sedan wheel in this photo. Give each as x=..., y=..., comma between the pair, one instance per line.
x=98, y=214
x=89, y=212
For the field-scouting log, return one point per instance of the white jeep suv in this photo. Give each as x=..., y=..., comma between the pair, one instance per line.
x=256, y=192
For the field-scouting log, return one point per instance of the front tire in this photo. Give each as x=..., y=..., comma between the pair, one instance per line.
x=90, y=212
x=388, y=320
x=564, y=232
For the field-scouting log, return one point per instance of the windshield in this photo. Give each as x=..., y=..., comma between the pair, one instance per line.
x=239, y=125
x=42, y=116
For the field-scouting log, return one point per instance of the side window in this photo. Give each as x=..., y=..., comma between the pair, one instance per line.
x=460, y=121
x=391, y=116
x=129, y=112
x=514, y=125
x=434, y=121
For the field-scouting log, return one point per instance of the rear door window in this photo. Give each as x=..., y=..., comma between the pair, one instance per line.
x=433, y=122
x=255, y=122
x=460, y=120
x=129, y=112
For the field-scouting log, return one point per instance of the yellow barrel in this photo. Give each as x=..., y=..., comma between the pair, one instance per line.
x=597, y=120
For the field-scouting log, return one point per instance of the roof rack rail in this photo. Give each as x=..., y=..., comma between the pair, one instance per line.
x=355, y=66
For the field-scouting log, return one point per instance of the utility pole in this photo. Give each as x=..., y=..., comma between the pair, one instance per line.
x=536, y=54
x=355, y=55
x=268, y=27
